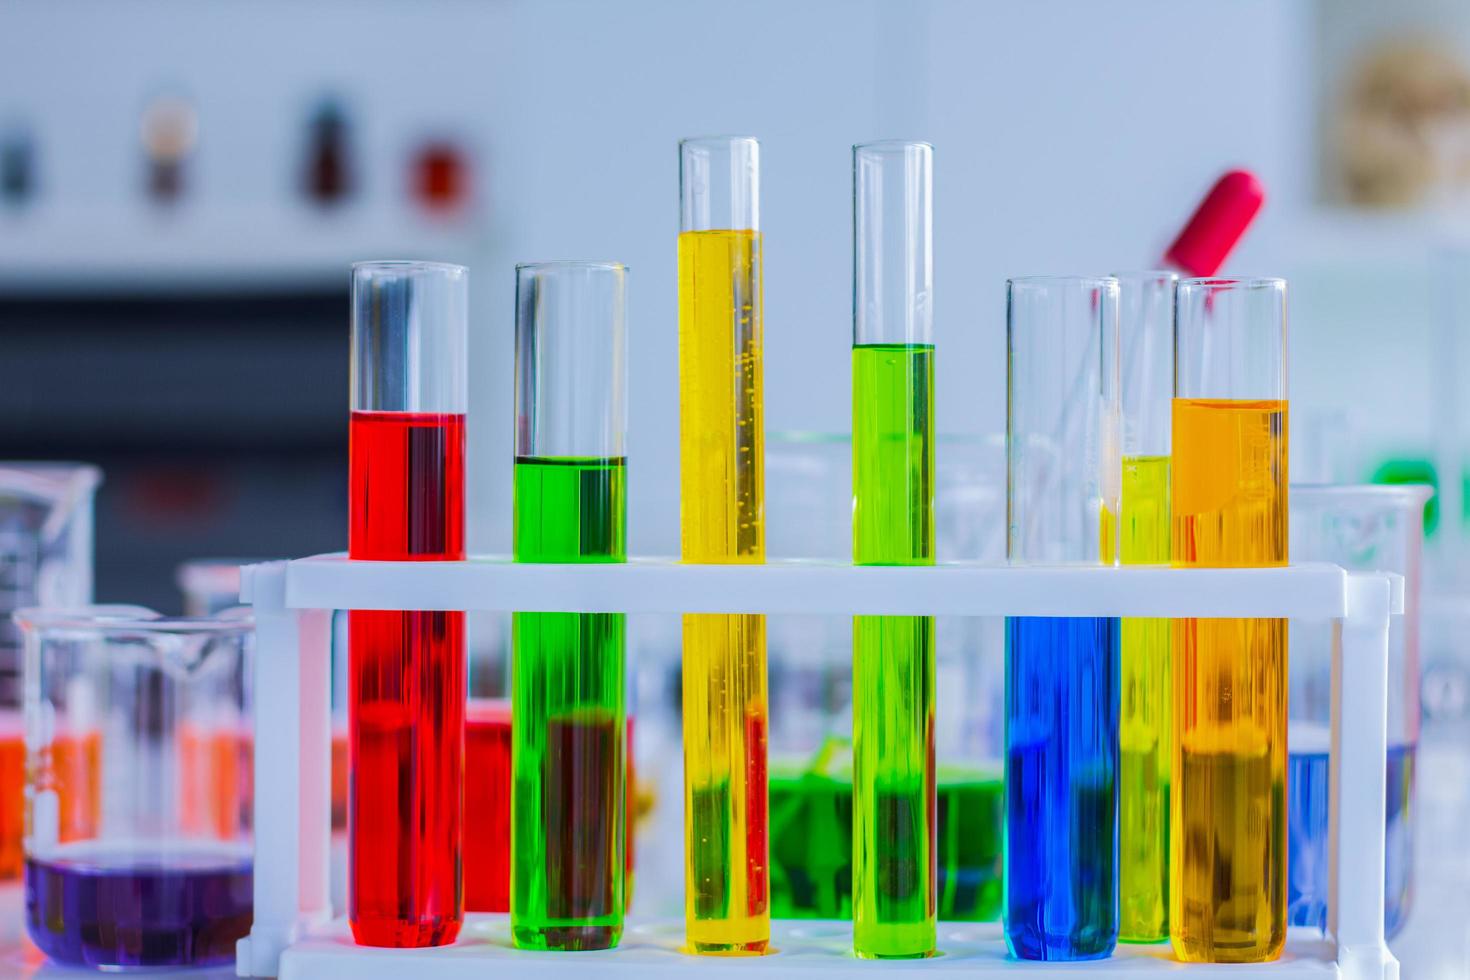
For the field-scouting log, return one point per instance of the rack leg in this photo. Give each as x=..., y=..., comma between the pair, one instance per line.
x=1357, y=781
x=292, y=771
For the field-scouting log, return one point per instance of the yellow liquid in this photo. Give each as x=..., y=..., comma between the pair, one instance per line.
x=1228, y=821
x=721, y=445
x=1145, y=732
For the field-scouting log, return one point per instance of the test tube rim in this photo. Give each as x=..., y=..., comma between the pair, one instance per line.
x=1233, y=282
x=451, y=269
x=717, y=138
x=1147, y=275
x=892, y=144
x=1094, y=282
x=587, y=264
x=109, y=618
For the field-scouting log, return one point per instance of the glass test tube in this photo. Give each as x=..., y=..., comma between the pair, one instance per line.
x=1372, y=528
x=1228, y=496
x=406, y=690
x=722, y=516
x=568, y=731
x=893, y=861
x=1146, y=331
x=1061, y=704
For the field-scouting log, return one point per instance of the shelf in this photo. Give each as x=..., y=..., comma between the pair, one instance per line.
x=1309, y=591
x=651, y=949
x=150, y=249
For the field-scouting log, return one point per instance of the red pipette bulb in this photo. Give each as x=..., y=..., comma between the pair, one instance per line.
x=1217, y=224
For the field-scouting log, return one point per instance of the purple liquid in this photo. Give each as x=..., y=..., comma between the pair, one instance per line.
x=108, y=909
x=1307, y=835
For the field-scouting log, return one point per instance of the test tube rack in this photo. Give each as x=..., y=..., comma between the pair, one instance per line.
x=294, y=935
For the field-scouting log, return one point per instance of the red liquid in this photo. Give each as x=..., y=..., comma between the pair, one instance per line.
x=407, y=687
x=487, y=807
x=12, y=794
x=757, y=840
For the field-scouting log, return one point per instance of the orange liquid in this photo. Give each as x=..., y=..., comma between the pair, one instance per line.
x=339, y=779
x=1228, y=819
x=215, y=780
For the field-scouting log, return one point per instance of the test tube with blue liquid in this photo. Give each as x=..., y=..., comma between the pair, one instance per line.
x=1062, y=673
x=1363, y=529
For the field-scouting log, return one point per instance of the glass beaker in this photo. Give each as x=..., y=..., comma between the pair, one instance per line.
x=808, y=516
x=139, y=754
x=1366, y=529
x=969, y=704
x=45, y=560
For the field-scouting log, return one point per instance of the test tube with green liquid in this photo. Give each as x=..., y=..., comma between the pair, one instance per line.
x=893, y=802
x=567, y=669
x=1146, y=336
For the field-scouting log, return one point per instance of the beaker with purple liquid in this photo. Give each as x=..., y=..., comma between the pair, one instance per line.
x=140, y=786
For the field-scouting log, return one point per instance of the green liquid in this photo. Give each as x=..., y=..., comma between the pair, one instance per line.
x=1147, y=719
x=811, y=844
x=568, y=739
x=893, y=876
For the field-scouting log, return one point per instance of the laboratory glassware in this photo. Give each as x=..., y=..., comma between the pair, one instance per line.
x=1062, y=674
x=1363, y=529
x=1217, y=225
x=1146, y=332
x=721, y=498
x=137, y=847
x=45, y=560
x=406, y=669
x=808, y=515
x=568, y=705
x=893, y=861
x=1228, y=498
x=969, y=703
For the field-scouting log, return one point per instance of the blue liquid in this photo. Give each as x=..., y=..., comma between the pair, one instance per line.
x=1061, y=846
x=1306, y=889
x=93, y=907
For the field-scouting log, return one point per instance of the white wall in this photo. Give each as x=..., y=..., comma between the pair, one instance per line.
x=1070, y=137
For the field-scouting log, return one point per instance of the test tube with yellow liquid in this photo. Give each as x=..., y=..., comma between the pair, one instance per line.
x=722, y=520
x=1228, y=496
x=1146, y=333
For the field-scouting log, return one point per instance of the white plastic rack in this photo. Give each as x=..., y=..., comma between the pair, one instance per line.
x=294, y=935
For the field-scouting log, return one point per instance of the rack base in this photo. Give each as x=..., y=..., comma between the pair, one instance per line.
x=805, y=948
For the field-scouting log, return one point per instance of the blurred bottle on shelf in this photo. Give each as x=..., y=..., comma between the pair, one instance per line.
x=170, y=131
x=439, y=177
x=329, y=178
x=17, y=164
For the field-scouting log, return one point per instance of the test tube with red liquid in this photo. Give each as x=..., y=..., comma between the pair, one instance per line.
x=406, y=687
